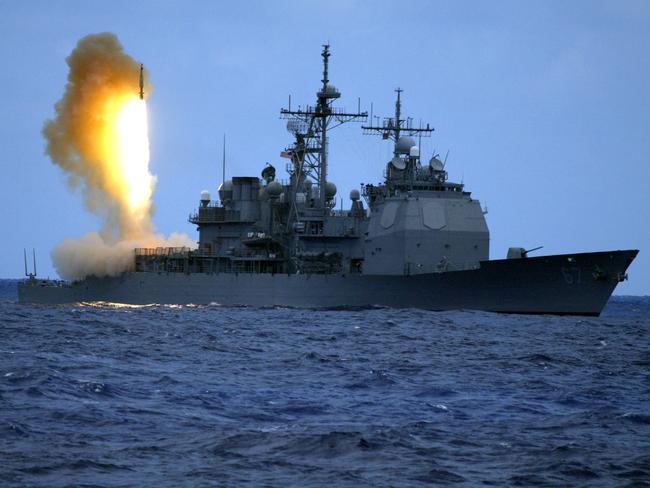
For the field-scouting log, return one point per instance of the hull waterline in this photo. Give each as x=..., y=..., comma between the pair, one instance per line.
x=575, y=284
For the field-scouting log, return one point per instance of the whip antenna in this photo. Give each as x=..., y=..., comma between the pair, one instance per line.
x=223, y=162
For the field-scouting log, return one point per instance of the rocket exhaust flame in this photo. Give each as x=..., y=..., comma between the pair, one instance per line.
x=99, y=137
x=133, y=153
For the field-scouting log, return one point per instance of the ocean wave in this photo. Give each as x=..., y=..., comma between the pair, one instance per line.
x=105, y=394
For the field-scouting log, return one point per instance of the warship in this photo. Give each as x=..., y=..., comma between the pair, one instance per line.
x=419, y=240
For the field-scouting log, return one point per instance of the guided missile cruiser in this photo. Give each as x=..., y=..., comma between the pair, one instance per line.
x=141, y=82
x=414, y=239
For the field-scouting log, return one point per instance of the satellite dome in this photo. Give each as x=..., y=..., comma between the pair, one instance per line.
x=414, y=152
x=436, y=164
x=398, y=163
x=354, y=195
x=330, y=189
x=274, y=189
x=205, y=196
x=295, y=126
x=225, y=190
x=226, y=186
x=404, y=145
x=268, y=173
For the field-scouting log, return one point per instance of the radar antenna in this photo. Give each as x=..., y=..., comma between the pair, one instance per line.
x=223, y=161
x=27, y=273
x=395, y=127
x=309, y=152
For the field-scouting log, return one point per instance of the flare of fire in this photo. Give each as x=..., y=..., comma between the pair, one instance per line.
x=130, y=161
x=99, y=137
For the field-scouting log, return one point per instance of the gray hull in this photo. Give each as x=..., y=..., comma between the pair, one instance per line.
x=576, y=284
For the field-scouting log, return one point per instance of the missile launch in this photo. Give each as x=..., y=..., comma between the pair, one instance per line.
x=141, y=82
x=99, y=137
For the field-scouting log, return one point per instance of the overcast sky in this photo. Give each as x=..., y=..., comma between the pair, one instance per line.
x=543, y=106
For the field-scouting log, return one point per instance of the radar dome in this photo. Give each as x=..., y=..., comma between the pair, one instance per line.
x=354, y=195
x=295, y=126
x=274, y=189
x=404, y=145
x=225, y=190
x=268, y=173
x=436, y=164
x=414, y=152
x=398, y=163
x=205, y=196
x=330, y=189
x=226, y=186
x=330, y=91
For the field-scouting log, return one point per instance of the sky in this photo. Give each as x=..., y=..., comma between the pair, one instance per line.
x=544, y=107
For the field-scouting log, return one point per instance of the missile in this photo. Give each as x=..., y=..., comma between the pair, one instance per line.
x=141, y=82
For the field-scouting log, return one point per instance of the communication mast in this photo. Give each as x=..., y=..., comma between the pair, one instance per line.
x=310, y=125
x=396, y=127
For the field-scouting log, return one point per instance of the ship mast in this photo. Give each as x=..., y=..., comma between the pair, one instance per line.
x=310, y=126
x=324, y=109
x=393, y=128
x=402, y=169
x=398, y=113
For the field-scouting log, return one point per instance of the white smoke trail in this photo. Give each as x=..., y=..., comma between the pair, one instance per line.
x=91, y=255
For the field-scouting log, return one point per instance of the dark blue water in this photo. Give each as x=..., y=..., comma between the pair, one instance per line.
x=199, y=396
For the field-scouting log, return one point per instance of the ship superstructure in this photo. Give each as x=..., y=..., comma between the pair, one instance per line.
x=416, y=221
x=264, y=225
x=419, y=240
x=421, y=222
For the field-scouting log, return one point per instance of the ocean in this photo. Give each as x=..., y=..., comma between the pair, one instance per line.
x=109, y=395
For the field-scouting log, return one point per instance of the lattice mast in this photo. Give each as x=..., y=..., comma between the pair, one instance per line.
x=395, y=127
x=309, y=152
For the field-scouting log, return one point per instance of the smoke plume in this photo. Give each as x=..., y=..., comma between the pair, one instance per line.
x=92, y=255
x=99, y=137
